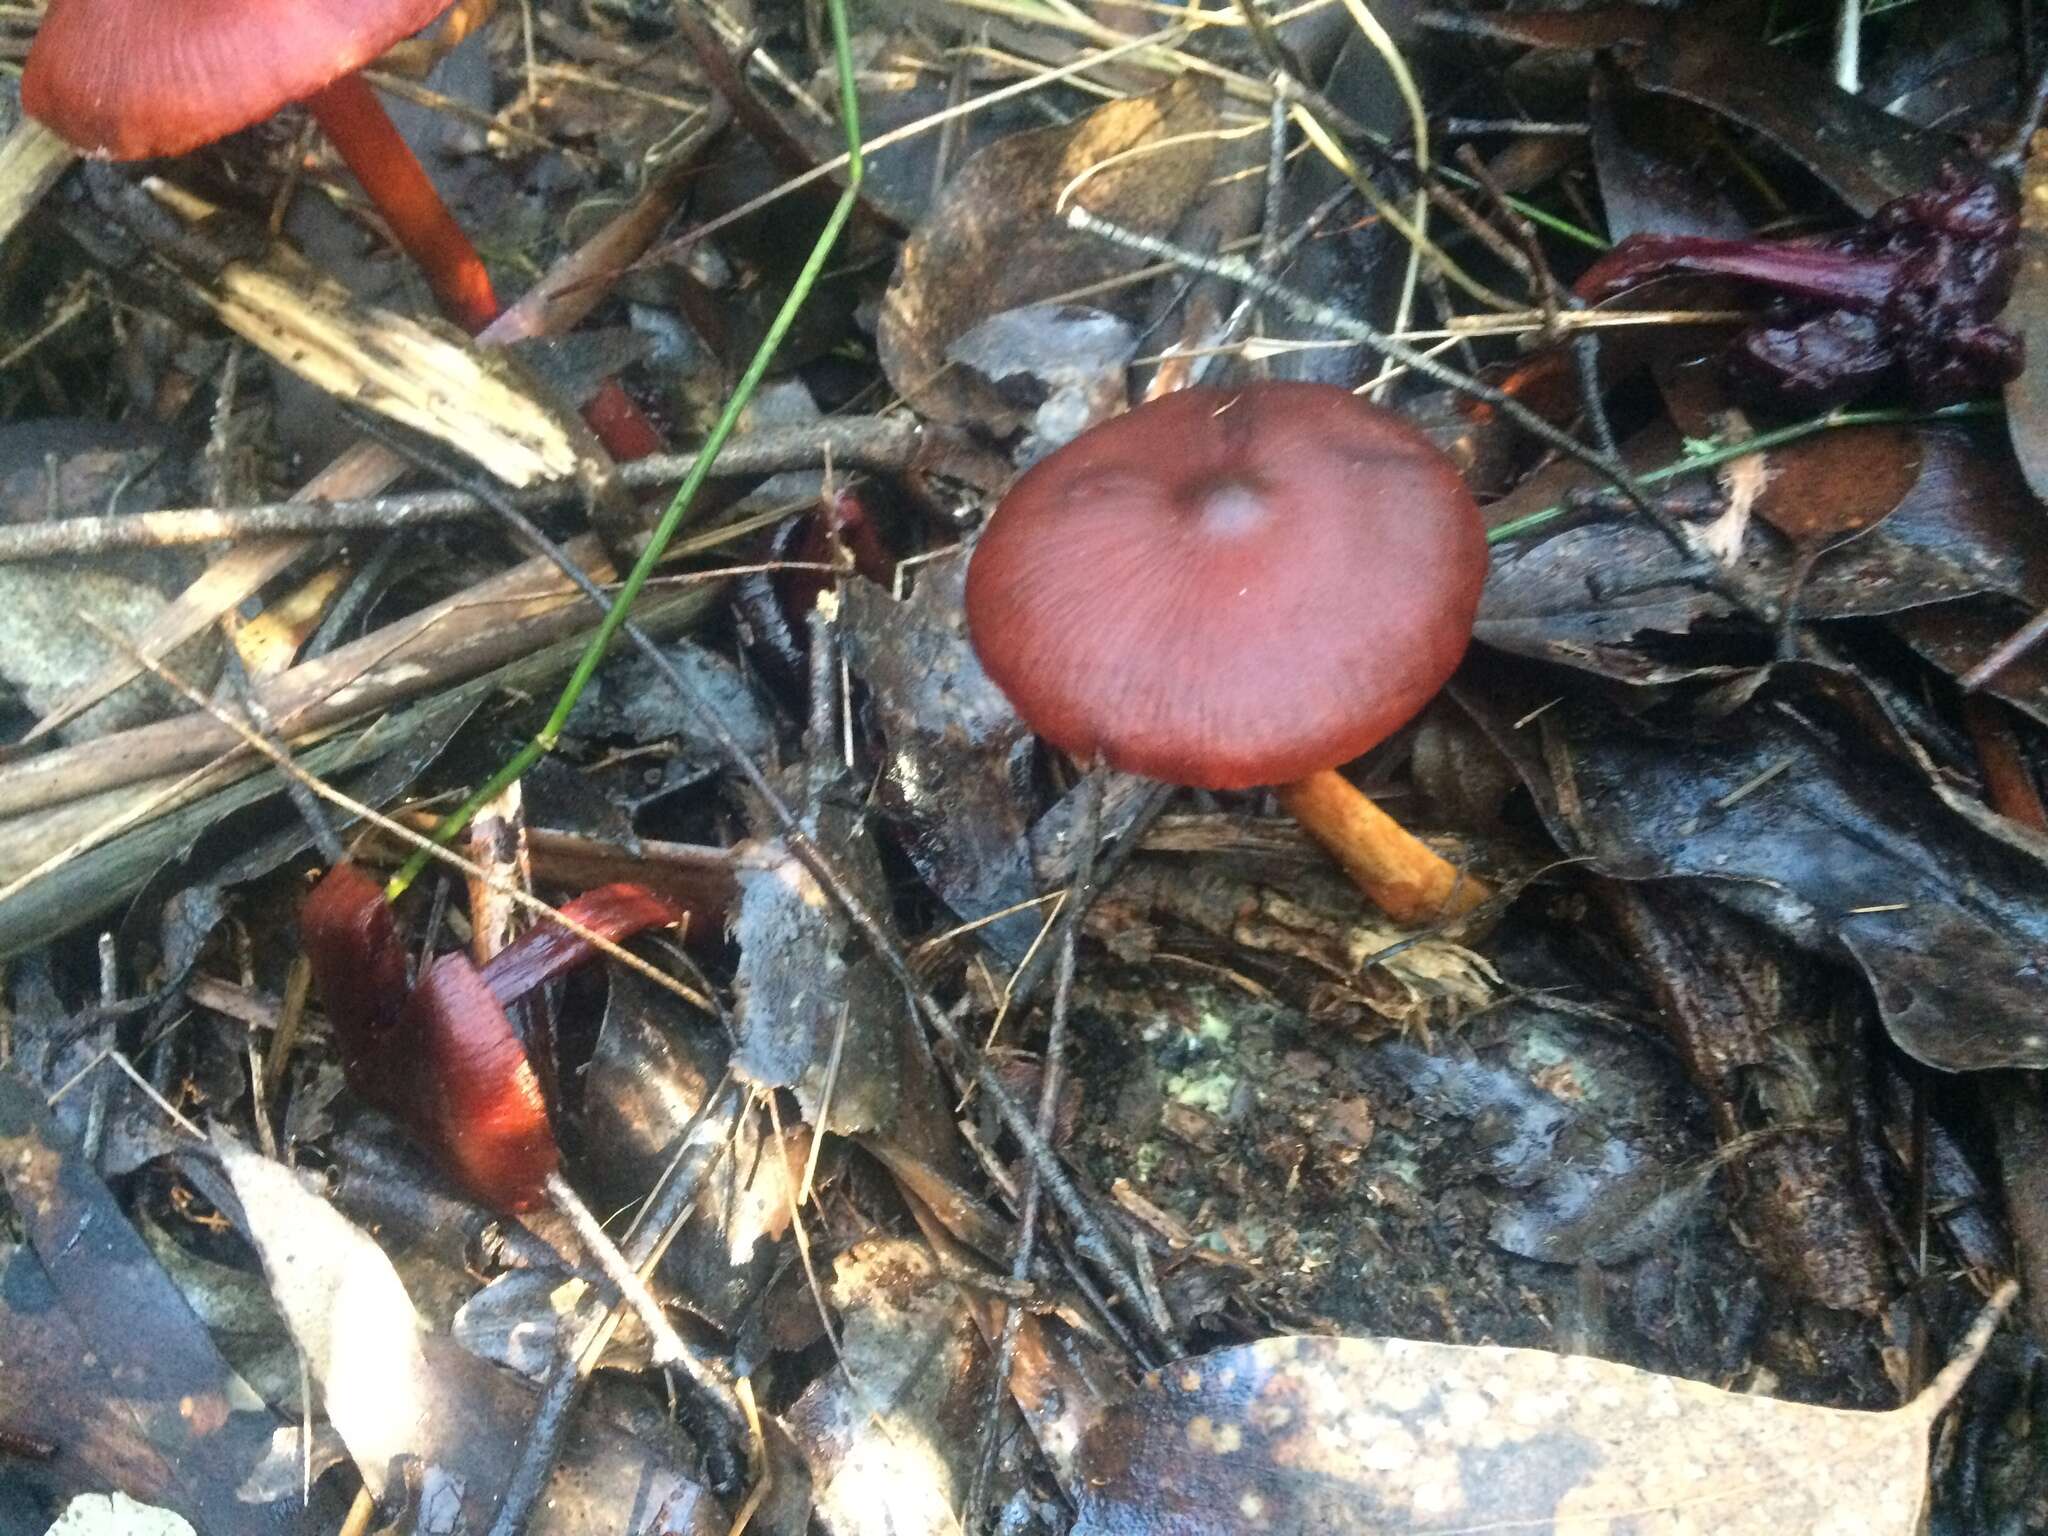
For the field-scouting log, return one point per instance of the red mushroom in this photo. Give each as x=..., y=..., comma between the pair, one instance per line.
x=1225, y=588
x=444, y=1061
x=441, y=1057
x=139, y=79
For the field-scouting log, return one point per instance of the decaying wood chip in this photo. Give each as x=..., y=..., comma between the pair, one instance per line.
x=421, y=375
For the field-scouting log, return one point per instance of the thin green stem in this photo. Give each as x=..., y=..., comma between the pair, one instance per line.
x=686, y=494
x=1721, y=453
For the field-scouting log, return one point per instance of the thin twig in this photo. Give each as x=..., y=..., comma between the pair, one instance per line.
x=1051, y=1078
x=644, y=1245
x=884, y=445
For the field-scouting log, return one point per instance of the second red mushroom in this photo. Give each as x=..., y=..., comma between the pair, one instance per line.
x=1228, y=588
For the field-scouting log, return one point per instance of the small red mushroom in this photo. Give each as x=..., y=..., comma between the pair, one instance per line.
x=441, y=1056
x=1226, y=588
x=138, y=79
x=443, y=1059
x=142, y=79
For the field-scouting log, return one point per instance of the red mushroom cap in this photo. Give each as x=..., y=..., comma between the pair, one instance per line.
x=134, y=79
x=473, y=1094
x=1225, y=588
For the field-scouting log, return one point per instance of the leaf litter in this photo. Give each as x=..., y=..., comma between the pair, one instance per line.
x=1021, y=1146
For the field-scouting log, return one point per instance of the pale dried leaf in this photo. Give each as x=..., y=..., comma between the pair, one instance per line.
x=1336, y=1435
x=31, y=159
x=115, y=1514
x=345, y=1306
x=883, y=1437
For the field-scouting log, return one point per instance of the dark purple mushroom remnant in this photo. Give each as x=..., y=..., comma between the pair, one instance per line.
x=1908, y=299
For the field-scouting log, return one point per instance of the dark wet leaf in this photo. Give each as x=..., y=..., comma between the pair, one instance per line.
x=629, y=700
x=647, y=1093
x=1645, y=155
x=1591, y=597
x=59, y=1392
x=1957, y=636
x=810, y=993
x=994, y=239
x=654, y=1068
x=167, y=1401
x=1864, y=155
x=1790, y=811
x=957, y=769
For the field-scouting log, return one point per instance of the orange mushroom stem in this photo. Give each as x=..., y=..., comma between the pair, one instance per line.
x=370, y=144
x=1406, y=878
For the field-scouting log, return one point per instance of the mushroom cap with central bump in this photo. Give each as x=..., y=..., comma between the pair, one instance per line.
x=135, y=79
x=1224, y=588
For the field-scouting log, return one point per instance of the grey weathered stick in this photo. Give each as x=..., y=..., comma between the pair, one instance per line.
x=873, y=444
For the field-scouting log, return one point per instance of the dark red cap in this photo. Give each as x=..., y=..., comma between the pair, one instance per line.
x=133, y=79
x=1225, y=588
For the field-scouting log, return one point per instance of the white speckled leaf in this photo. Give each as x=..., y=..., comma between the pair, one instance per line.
x=1332, y=1435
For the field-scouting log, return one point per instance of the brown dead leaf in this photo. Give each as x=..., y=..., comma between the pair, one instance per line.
x=1817, y=491
x=994, y=240
x=1334, y=1435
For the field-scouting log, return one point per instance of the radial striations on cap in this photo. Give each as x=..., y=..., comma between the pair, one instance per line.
x=135, y=79
x=1225, y=588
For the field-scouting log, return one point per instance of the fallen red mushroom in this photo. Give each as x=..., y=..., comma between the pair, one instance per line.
x=1908, y=297
x=143, y=79
x=444, y=1061
x=1226, y=588
x=441, y=1057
